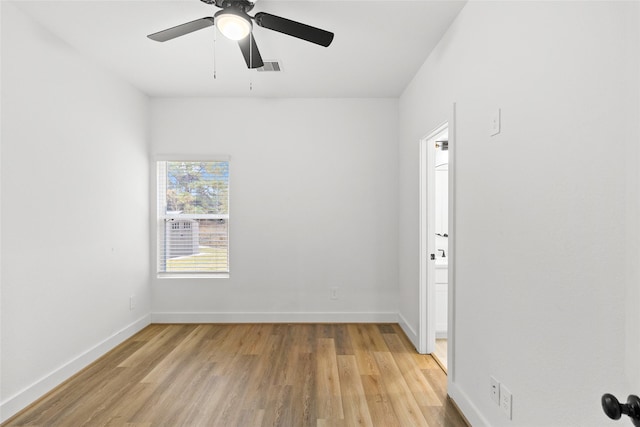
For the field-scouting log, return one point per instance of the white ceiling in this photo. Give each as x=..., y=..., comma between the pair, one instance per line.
x=377, y=49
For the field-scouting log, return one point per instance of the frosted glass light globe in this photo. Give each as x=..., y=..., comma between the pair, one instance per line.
x=233, y=26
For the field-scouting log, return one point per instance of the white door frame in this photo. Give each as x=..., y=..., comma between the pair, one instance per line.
x=426, y=290
x=427, y=293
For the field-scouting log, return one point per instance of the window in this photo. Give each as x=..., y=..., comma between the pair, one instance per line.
x=193, y=217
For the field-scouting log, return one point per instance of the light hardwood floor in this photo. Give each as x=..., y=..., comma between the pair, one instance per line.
x=254, y=375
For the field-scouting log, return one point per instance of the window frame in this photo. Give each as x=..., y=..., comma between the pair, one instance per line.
x=160, y=219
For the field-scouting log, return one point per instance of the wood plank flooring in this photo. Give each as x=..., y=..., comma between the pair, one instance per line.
x=246, y=375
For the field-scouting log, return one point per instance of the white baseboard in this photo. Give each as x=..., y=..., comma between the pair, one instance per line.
x=257, y=317
x=408, y=330
x=12, y=405
x=469, y=410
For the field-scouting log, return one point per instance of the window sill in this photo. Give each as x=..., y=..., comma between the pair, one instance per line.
x=193, y=275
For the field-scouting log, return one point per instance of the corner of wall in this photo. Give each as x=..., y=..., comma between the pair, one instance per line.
x=466, y=406
x=14, y=404
x=408, y=330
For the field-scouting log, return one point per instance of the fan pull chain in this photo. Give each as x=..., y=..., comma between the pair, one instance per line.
x=250, y=62
x=215, y=63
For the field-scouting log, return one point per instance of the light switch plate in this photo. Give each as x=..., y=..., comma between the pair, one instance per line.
x=495, y=123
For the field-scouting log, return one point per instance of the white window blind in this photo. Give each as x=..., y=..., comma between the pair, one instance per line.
x=193, y=216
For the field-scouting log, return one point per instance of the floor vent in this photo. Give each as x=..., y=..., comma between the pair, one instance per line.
x=270, y=66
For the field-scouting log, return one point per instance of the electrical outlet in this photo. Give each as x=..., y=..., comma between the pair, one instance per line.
x=494, y=390
x=132, y=302
x=495, y=123
x=333, y=293
x=505, y=401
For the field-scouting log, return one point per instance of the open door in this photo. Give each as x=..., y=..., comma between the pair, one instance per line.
x=430, y=285
x=430, y=256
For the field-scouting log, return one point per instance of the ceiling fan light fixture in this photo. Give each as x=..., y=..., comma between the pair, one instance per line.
x=233, y=24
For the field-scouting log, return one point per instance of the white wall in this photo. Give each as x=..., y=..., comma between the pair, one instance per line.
x=546, y=211
x=313, y=206
x=74, y=211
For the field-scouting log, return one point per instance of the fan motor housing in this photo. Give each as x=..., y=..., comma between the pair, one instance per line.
x=243, y=5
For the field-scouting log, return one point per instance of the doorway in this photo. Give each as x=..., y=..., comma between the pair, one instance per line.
x=440, y=212
x=436, y=244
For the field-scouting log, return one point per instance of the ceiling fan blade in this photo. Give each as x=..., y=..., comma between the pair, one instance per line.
x=250, y=52
x=294, y=29
x=181, y=30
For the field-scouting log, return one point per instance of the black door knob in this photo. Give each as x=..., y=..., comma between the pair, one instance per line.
x=611, y=406
x=614, y=409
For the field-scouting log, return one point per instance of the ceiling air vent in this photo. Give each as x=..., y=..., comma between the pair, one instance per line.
x=270, y=66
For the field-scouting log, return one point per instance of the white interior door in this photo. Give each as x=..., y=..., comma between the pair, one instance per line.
x=428, y=229
x=427, y=282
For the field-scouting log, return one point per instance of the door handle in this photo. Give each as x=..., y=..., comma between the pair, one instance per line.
x=433, y=257
x=614, y=409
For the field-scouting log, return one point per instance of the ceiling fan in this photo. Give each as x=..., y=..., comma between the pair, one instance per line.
x=234, y=23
